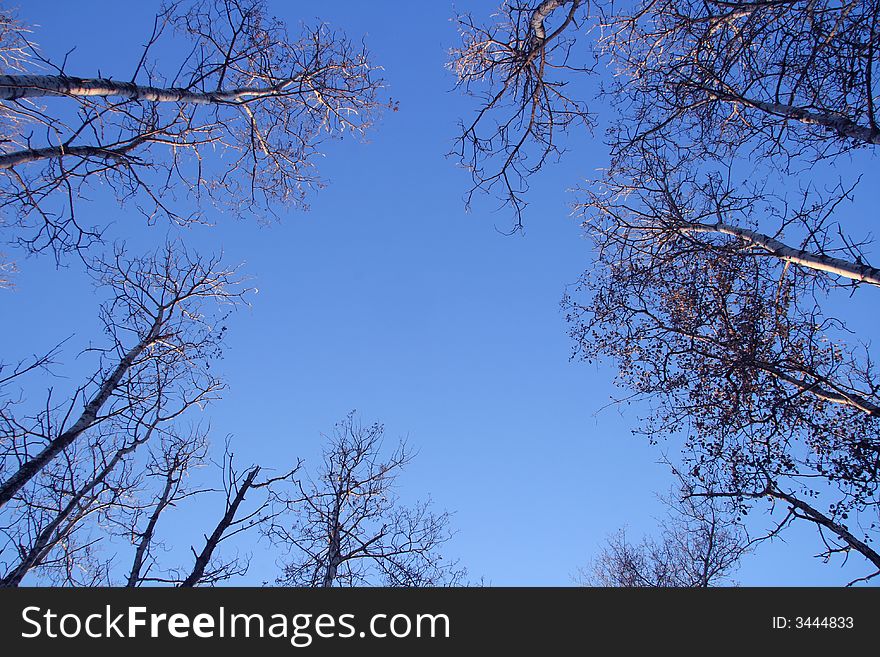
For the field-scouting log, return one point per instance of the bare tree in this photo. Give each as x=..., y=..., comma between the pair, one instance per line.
x=209, y=566
x=519, y=67
x=171, y=466
x=713, y=291
x=349, y=528
x=68, y=462
x=721, y=327
x=261, y=99
x=698, y=545
x=112, y=459
x=161, y=328
x=716, y=290
x=785, y=77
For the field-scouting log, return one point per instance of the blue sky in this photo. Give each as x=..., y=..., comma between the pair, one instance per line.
x=387, y=297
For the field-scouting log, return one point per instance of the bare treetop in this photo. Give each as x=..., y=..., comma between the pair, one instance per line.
x=788, y=77
x=349, y=528
x=155, y=363
x=715, y=289
x=519, y=67
x=237, y=122
x=699, y=545
x=79, y=467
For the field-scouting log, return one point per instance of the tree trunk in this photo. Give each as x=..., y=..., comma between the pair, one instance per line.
x=829, y=264
x=16, y=158
x=47, y=538
x=90, y=413
x=844, y=127
x=13, y=87
x=146, y=536
x=212, y=541
x=824, y=521
x=334, y=553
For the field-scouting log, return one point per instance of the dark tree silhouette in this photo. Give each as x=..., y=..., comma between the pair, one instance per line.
x=697, y=545
x=76, y=471
x=721, y=294
x=349, y=528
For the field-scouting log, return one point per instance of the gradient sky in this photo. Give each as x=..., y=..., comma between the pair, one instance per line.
x=387, y=297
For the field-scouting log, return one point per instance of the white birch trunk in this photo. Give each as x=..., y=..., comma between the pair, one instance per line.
x=837, y=266
x=88, y=417
x=840, y=124
x=13, y=87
